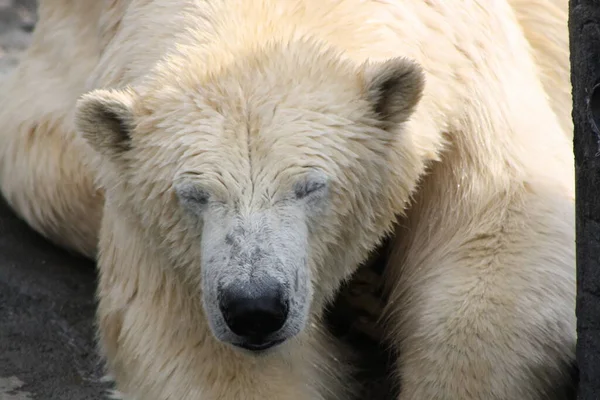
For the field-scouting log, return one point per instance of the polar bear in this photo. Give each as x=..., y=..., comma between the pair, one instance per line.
x=233, y=163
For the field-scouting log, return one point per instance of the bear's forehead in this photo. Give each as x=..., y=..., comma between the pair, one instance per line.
x=279, y=98
x=299, y=75
x=271, y=110
x=269, y=134
x=264, y=144
x=227, y=112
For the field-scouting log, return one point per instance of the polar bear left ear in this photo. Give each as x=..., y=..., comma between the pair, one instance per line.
x=105, y=120
x=394, y=88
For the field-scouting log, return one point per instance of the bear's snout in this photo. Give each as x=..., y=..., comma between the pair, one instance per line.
x=255, y=311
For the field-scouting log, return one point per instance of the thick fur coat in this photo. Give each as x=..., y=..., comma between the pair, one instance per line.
x=194, y=145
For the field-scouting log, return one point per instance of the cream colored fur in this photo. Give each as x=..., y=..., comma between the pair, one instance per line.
x=481, y=280
x=545, y=24
x=42, y=171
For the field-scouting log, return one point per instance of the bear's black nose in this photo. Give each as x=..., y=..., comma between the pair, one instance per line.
x=254, y=310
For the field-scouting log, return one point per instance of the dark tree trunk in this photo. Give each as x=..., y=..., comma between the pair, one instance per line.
x=584, y=28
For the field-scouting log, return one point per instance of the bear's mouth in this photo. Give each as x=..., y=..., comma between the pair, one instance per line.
x=257, y=347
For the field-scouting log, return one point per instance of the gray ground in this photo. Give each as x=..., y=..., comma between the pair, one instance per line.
x=17, y=19
x=46, y=319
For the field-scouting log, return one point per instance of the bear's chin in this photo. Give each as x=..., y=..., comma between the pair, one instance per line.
x=258, y=347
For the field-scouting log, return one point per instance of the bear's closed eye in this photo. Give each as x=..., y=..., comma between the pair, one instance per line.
x=191, y=194
x=310, y=186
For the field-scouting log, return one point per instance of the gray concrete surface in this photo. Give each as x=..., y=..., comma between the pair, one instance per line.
x=17, y=20
x=46, y=319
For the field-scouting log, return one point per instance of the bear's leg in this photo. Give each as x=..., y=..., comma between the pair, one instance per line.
x=42, y=173
x=483, y=306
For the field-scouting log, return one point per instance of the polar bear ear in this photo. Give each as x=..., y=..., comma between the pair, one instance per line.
x=105, y=120
x=394, y=88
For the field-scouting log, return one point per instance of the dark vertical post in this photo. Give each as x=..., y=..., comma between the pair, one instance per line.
x=584, y=30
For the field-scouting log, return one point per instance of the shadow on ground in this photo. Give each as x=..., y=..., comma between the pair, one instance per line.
x=46, y=318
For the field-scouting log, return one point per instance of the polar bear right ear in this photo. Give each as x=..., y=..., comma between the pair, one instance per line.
x=105, y=120
x=394, y=88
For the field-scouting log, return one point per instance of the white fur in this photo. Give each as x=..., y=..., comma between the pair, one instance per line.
x=481, y=281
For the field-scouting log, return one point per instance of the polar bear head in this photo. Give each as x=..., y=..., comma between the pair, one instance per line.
x=264, y=180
